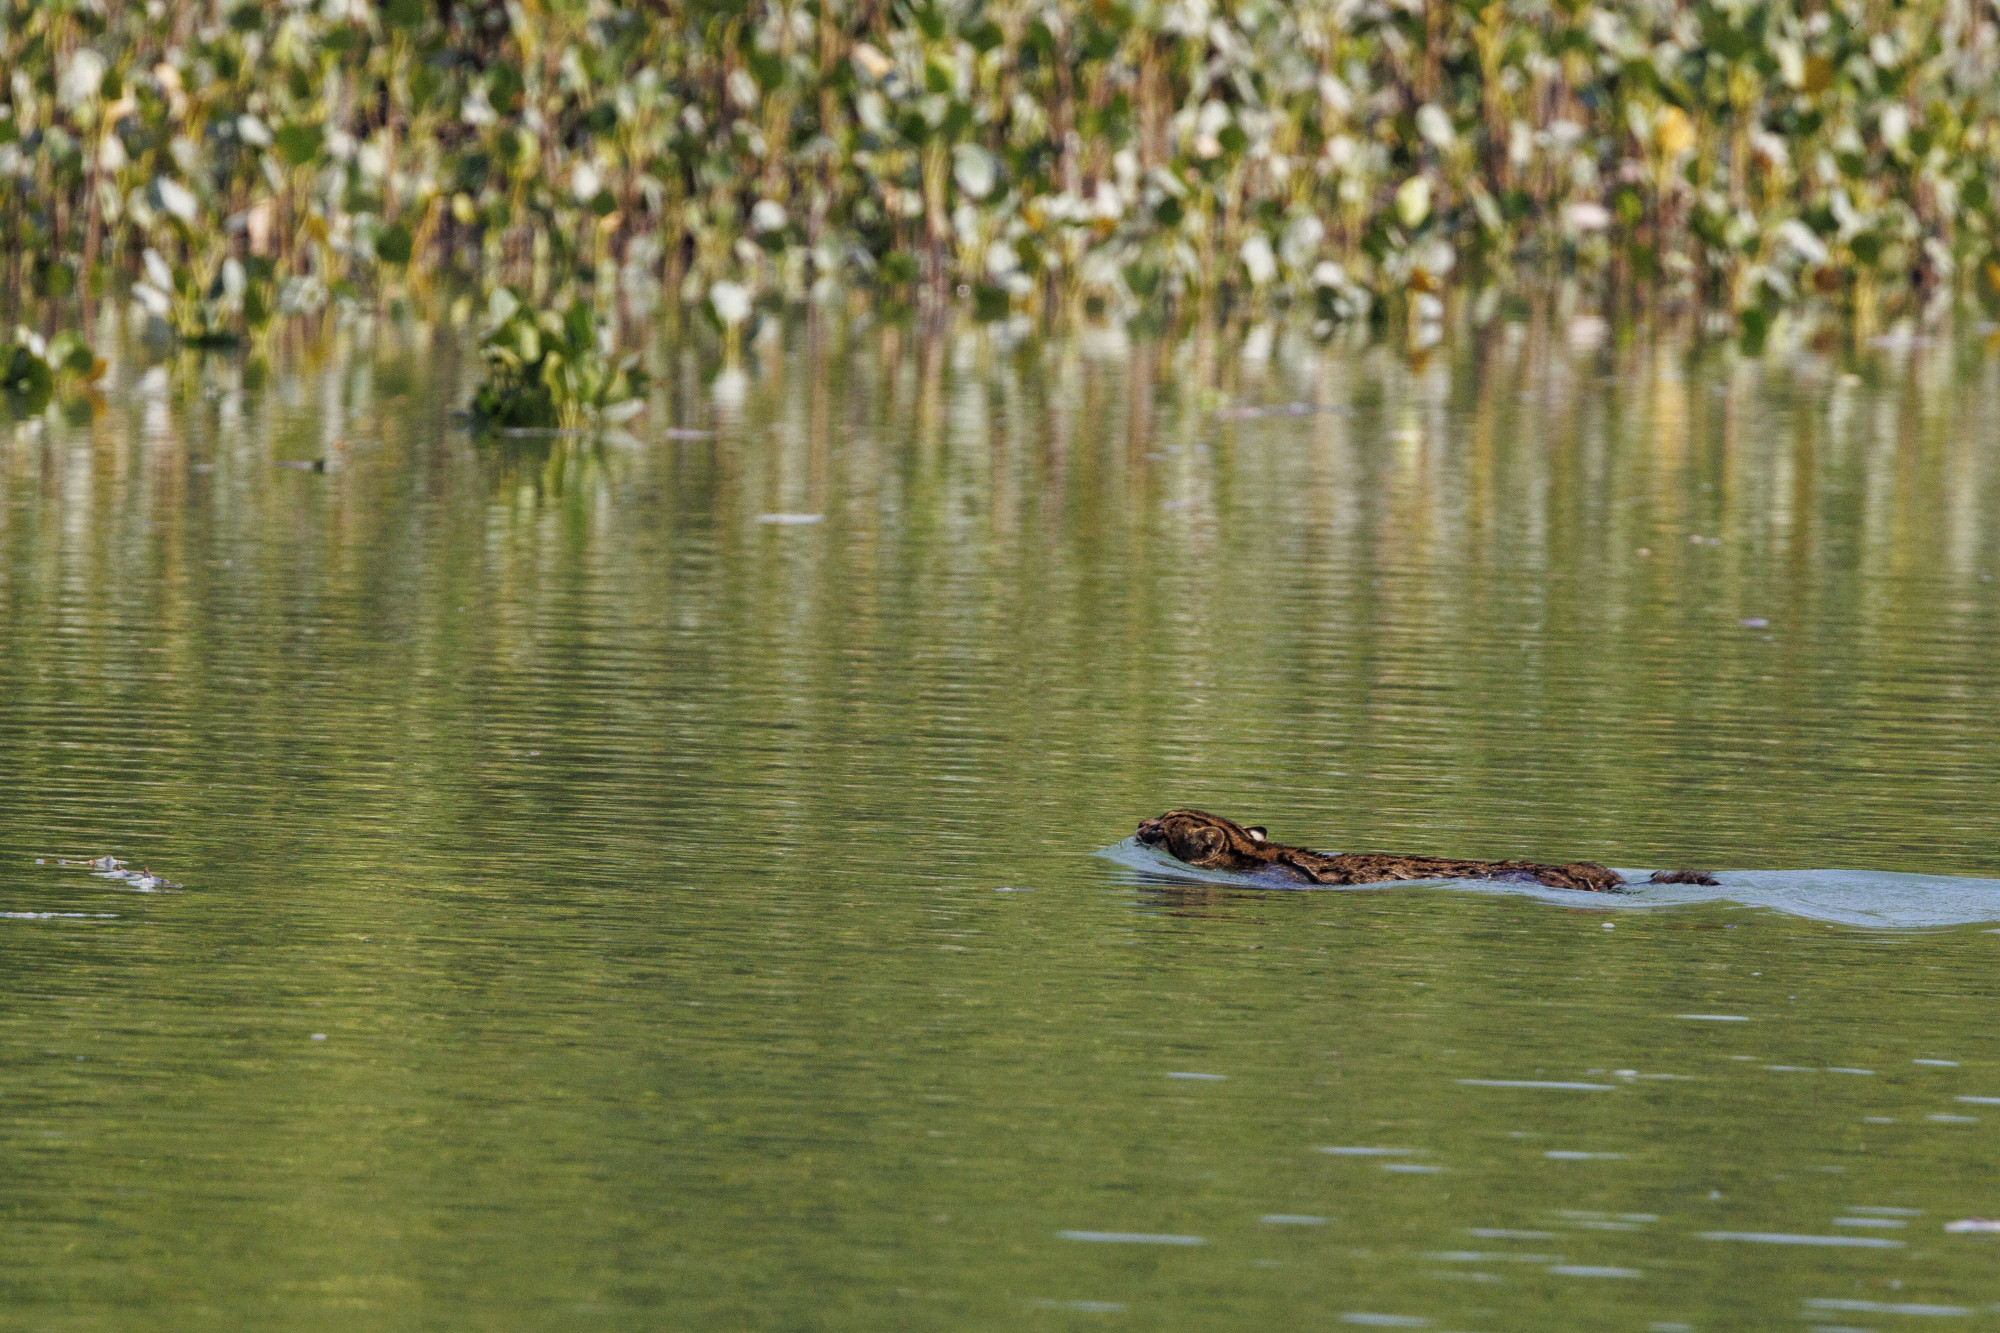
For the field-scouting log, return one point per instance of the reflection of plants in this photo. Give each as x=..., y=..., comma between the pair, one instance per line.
x=555, y=468
x=546, y=370
x=34, y=372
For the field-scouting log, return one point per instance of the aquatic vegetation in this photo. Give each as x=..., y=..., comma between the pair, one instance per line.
x=35, y=371
x=218, y=303
x=546, y=370
x=1353, y=160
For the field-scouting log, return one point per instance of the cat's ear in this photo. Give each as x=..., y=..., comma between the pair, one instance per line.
x=1256, y=832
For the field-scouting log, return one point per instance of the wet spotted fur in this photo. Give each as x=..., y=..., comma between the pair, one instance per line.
x=1212, y=843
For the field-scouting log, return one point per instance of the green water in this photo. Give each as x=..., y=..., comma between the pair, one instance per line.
x=593, y=914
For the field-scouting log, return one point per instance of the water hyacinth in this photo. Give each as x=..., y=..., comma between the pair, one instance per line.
x=549, y=371
x=1035, y=156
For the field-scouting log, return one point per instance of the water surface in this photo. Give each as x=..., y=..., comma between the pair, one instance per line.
x=605, y=908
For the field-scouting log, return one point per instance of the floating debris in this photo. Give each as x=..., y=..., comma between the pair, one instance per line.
x=791, y=520
x=1130, y=1238
x=686, y=433
x=1972, y=1226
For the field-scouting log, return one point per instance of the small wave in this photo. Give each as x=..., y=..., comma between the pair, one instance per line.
x=1879, y=899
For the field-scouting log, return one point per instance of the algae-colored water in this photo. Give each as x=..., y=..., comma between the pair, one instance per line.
x=604, y=908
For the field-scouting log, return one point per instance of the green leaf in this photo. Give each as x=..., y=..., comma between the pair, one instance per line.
x=503, y=87
x=1631, y=209
x=424, y=85
x=984, y=35
x=55, y=279
x=29, y=384
x=392, y=244
x=299, y=144
x=580, y=326
x=767, y=69
x=1099, y=43
x=989, y=303
x=404, y=13
x=1754, y=325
